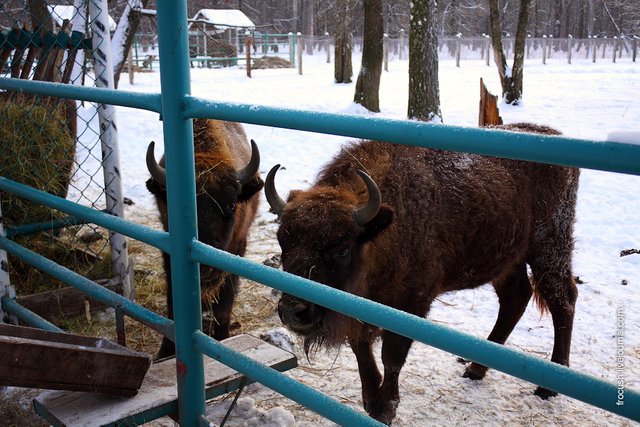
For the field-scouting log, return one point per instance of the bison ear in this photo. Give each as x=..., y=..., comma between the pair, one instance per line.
x=378, y=224
x=155, y=188
x=250, y=188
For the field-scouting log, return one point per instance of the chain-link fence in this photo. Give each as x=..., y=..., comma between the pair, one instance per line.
x=58, y=146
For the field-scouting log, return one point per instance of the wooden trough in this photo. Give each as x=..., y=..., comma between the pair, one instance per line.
x=50, y=360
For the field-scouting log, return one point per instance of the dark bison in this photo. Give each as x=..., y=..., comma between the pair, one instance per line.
x=418, y=223
x=227, y=193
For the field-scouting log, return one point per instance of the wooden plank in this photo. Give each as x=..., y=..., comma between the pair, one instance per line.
x=66, y=301
x=158, y=394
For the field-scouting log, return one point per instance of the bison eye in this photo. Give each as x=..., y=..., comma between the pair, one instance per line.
x=232, y=207
x=342, y=257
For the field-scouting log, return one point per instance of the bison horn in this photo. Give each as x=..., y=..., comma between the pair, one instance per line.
x=370, y=210
x=157, y=172
x=275, y=201
x=248, y=172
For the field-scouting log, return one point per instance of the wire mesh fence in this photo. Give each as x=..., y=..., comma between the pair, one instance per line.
x=54, y=145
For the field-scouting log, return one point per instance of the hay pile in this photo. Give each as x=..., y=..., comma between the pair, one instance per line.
x=271, y=62
x=37, y=151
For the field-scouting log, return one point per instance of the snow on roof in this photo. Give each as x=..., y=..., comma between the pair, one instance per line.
x=223, y=19
x=61, y=12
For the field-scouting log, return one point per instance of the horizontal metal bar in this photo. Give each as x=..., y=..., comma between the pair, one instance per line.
x=22, y=230
x=607, y=156
x=305, y=395
x=586, y=388
x=10, y=305
x=155, y=321
x=159, y=239
x=144, y=101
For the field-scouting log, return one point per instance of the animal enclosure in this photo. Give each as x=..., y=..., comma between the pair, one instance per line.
x=358, y=127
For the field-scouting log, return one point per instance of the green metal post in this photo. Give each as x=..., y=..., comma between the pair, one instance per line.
x=178, y=137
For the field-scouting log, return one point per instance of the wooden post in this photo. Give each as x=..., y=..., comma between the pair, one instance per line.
x=544, y=49
x=327, y=47
x=248, y=44
x=488, y=112
x=595, y=49
x=6, y=290
x=487, y=41
x=458, y=37
x=604, y=47
x=385, y=51
x=550, y=46
x=634, y=49
x=615, y=48
x=569, y=48
x=130, y=66
x=528, y=42
x=299, y=47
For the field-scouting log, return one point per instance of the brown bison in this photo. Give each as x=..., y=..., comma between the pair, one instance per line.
x=227, y=194
x=418, y=223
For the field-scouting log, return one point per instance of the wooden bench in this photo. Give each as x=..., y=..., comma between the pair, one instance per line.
x=158, y=395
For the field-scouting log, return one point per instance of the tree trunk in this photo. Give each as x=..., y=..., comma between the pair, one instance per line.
x=510, y=78
x=343, y=69
x=308, y=20
x=368, y=82
x=122, y=39
x=424, y=92
x=40, y=16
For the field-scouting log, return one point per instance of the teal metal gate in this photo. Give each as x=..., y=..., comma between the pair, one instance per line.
x=177, y=107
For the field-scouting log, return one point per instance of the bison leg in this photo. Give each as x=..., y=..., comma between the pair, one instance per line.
x=221, y=310
x=514, y=293
x=558, y=292
x=370, y=376
x=394, y=353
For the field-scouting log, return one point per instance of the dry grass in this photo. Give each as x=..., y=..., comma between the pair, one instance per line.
x=37, y=151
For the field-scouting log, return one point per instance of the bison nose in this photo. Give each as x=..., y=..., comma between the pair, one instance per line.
x=296, y=312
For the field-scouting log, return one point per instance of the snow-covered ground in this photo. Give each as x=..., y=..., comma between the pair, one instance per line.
x=582, y=100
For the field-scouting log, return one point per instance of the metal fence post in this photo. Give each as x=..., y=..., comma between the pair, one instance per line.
x=595, y=49
x=615, y=48
x=569, y=48
x=292, y=49
x=179, y=154
x=634, y=48
x=109, y=140
x=544, y=49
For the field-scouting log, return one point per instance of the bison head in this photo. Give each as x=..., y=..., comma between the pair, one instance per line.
x=220, y=193
x=325, y=235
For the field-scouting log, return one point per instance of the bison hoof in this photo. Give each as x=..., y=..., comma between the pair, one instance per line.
x=475, y=372
x=384, y=412
x=544, y=393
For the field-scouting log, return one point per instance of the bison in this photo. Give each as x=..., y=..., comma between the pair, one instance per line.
x=418, y=223
x=227, y=193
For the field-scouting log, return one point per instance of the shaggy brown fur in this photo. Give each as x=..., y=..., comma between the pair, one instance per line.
x=226, y=210
x=448, y=221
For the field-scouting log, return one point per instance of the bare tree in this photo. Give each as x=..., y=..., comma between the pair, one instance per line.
x=424, y=91
x=368, y=84
x=343, y=69
x=510, y=78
